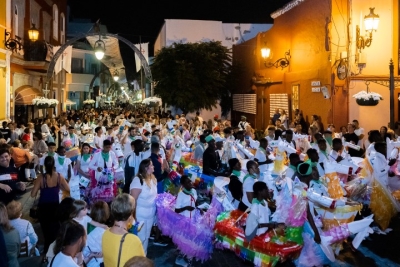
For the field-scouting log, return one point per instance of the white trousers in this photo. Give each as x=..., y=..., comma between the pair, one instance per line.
x=144, y=233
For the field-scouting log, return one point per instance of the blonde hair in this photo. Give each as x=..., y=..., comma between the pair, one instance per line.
x=139, y=261
x=4, y=221
x=14, y=210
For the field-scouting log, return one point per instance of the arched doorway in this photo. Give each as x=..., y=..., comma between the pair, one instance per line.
x=24, y=111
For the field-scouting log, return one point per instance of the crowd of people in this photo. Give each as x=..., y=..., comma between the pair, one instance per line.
x=121, y=158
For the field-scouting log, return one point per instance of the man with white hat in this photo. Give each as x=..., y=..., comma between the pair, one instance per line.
x=243, y=123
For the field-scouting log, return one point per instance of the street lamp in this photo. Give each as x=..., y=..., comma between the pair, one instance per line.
x=265, y=52
x=280, y=63
x=371, y=22
x=115, y=75
x=33, y=33
x=99, y=48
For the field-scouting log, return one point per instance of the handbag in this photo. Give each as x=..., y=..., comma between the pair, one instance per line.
x=120, y=248
x=33, y=212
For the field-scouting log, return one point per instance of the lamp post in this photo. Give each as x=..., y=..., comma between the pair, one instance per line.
x=99, y=48
x=115, y=75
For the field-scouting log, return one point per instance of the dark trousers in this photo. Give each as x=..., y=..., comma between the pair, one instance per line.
x=242, y=207
x=48, y=222
x=21, y=172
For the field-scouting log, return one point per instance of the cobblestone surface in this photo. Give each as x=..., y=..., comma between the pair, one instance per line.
x=165, y=256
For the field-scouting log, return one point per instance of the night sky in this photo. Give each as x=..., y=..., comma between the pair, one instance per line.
x=134, y=18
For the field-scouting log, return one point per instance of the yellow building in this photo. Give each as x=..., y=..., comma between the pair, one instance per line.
x=316, y=63
x=4, y=66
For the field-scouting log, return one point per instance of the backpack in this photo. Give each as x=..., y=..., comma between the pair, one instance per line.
x=236, y=187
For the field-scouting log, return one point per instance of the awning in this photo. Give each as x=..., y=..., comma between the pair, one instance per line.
x=25, y=94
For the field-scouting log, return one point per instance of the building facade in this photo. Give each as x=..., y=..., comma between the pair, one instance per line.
x=29, y=62
x=4, y=64
x=324, y=67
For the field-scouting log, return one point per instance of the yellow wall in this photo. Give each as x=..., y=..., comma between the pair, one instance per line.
x=2, y=58
x=378, y=55
x=303, y=31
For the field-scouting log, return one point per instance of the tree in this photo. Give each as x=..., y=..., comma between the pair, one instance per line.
x=192, y=76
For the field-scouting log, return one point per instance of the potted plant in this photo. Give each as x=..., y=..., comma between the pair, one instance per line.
x=88, y=103
x=367, y=98
x=43, y=102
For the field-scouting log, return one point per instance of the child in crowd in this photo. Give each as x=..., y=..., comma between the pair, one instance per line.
x=248, y=182
x=63, y=164
x=30, y=170
x=51, y=152
x=259, y=208
x=79, y=214
x=100, y=213
x=185, y=205
x=24, y=227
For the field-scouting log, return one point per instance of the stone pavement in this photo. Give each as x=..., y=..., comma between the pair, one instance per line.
x=165, y=256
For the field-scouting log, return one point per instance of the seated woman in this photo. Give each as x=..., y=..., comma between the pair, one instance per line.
x=100, y=213
x=118, y=245
x=11, y=237
x=79, y=214
x=24, y=227
x=69, y=243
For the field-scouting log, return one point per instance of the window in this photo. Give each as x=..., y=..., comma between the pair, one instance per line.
x=278, y=101
x=55, y=77
x=77, y=65
x=93, y=69
x=15, y=21
x=62, y=77
x=55, y=22
x=62, y=28
x=245, y=103
x=295, y=96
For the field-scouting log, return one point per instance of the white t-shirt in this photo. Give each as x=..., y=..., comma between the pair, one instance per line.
x=184, y=200
x=84, y=164
x=84, y=221
x=262, y=212
x=248, y=187
x=146, y=202
x=99, y=141
x=41, y=160
x=62, y=260
x=359, y=132
x=93, y=244
x=62, y=169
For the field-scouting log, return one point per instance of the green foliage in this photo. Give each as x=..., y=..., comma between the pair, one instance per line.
x=192, y=76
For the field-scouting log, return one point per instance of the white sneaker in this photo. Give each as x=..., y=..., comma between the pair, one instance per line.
x=180, y=260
